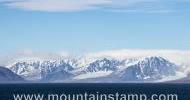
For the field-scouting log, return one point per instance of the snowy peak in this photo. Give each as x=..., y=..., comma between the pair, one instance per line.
x=150, y=68
x=133, y=69
x=103, y=65
x=36, y=70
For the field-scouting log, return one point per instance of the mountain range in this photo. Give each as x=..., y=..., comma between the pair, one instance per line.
x=96, y=70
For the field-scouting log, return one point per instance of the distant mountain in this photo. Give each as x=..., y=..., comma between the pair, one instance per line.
x=7, y=75
x=103, y=65
x=144, y=69
x=42, y=70
x=150, y=68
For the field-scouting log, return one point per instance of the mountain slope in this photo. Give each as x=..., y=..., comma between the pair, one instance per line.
x=7, y=75
x=144, y=69
x=103, y=65
x=151, y=68
x=41, y=70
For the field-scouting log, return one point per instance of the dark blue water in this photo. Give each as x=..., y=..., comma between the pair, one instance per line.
x=182, y=90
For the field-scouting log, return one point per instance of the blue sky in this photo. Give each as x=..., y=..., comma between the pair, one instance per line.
x=88, y=26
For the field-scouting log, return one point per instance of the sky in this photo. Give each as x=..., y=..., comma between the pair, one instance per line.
x=93, y=25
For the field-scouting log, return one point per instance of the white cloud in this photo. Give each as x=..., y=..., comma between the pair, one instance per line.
x=176, y=56
x=156, y=6
x=28, y=54
x=144, y=6
x=143, y=11
x=8, y=1
x=129, y=3
x=58, y=5
x=179, y=57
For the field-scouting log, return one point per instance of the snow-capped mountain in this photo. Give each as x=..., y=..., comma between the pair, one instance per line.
x=100, y=69
x=7, y=75
x=150, y=68
x=103, y=65
x=40, y=70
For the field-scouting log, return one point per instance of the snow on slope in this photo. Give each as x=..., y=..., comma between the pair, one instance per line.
x=106, y=64
x=179, y=57
x=93, y=75
x=38, y=69
x=150, y=68
x=7, y=75
x=176, y=56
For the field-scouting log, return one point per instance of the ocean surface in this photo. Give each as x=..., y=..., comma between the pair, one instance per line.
x=7, y=91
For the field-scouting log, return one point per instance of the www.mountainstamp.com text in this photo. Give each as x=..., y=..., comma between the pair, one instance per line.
x=95, y=96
